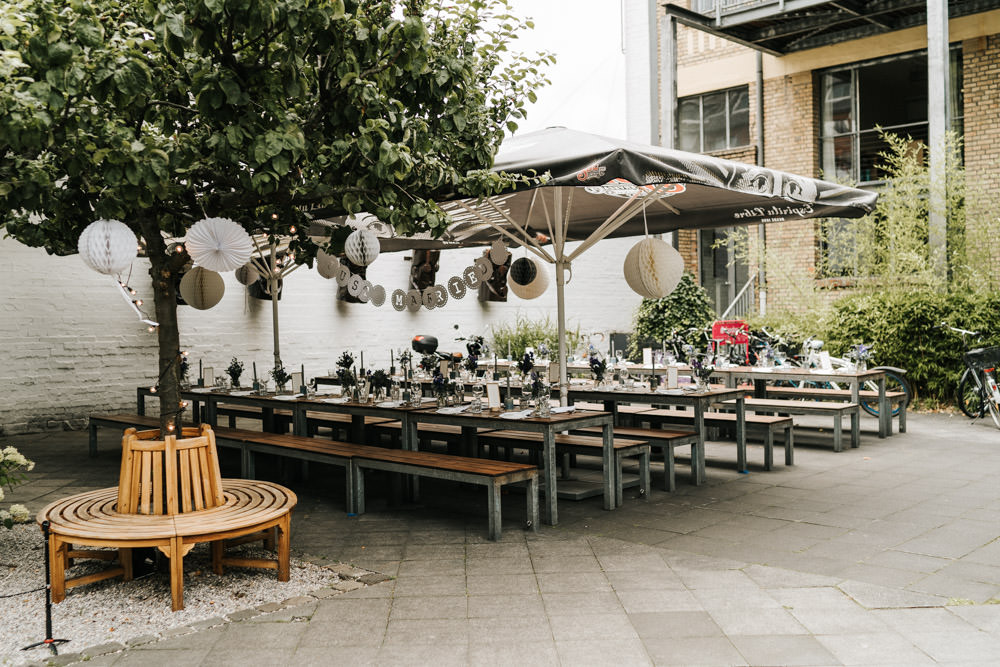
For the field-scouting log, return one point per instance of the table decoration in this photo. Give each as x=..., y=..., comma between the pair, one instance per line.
x=280, y=375
x=381, y=383
x=598, y=367
x=234, y=370
x=701, y=372
x=521, y=414
x=860, y=354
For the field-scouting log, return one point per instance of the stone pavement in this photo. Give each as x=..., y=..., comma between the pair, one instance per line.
x=883, y=555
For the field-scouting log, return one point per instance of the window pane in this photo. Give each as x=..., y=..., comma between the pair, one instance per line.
x=838, y=103
x=713, y=110
x=893, y=93
x=689, y=125
x=739, y=118
x=838, y=159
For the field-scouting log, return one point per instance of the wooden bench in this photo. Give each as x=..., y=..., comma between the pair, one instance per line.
x=282, y=418
x=821, y=408
x=170, y=496
x=339, y=423
x=666, y=441
x=767, y=426
x=895, y=398
x=422, y=464
x=121, y=422
x=494, y=475
x=580, y=444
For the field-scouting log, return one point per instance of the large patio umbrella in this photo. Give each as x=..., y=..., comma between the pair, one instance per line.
x=597, y=187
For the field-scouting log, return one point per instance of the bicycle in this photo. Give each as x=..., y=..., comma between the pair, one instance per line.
x=977, y=391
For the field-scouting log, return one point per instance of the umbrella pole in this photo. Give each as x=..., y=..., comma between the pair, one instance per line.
x=561, y=322
x=272, y=283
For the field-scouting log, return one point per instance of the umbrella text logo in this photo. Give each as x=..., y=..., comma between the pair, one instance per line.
x=591, y=173
x=619, y=187
x=774, y=213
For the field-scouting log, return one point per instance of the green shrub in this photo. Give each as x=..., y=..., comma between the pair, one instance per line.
x=525, y=332
x=902, y=327
x=688, y=306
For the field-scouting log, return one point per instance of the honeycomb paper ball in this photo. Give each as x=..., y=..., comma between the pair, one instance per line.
x=526, y=278
x=247, y=274
x=108, y=246
x=362, y=247
x=202, y=288
x=653, y=268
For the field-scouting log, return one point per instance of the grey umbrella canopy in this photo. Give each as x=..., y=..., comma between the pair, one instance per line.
x=595, y=187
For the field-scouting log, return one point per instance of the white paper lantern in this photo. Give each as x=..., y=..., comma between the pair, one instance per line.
x=247, y=274
x=653, y=268
x=326, y=264
x=202, y=288
x=362, y=247
x=108, y=246
x=218, y=244
x=527, y=278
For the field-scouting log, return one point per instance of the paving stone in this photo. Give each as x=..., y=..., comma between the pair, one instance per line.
x=786, y=650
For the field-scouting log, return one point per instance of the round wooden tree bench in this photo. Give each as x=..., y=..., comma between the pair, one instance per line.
x=170, y=496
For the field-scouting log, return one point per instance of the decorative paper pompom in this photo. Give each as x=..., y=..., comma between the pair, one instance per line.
x=526, y=278
x=377, y=295
x=653, y=268
x=498, y=252
x=362, y=247
x=326, y=264
x=247, y=274
x=202, y=288
x=108, y=246
x=218, y=244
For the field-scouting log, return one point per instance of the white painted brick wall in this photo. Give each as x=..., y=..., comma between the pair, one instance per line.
x=71, y=345
x=637, y=72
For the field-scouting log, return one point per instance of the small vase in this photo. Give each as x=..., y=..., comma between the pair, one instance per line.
x=442, y=401
x=862, y=366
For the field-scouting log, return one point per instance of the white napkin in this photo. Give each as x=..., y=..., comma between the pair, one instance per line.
x=200, y=390
x=523, y=414
x=671, y=392
x=763, y=370
x=287, y=397
x=336, y=401
x=563, y=408
x=240, y=393
x=388, y=404
x=454, y=410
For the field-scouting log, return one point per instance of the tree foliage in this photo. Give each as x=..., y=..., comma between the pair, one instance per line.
x=269, y=112
x=687, y=307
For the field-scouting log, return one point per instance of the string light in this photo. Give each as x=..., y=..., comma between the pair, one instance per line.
x=291, y=230
x=128, y=293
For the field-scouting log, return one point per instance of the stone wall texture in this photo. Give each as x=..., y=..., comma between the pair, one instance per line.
x=72, y=346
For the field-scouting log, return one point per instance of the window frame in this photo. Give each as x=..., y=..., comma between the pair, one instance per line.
x=700, y=97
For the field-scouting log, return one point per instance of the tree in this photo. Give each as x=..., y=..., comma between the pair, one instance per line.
x=687, y=307
x=271, y=113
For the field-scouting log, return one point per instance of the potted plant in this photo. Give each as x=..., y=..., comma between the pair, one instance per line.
x=281, y=376
x=235, y=370
x=381, y=383
x=345, y=374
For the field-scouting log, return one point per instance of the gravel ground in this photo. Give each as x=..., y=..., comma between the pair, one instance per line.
x=116, y=611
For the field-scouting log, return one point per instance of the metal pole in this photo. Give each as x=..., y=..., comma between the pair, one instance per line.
x=272, y=285
x=761, y=229
x=668, y=73
x=938, y=98
x=561, y=322
x=48, y=641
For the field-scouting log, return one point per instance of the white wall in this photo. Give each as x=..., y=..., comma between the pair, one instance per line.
x=71, y=345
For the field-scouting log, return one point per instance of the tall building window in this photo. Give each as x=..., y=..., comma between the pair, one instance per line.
x=714, y=121
x=890, y=94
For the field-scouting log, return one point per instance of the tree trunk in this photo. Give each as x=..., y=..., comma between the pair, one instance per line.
x=162, y=271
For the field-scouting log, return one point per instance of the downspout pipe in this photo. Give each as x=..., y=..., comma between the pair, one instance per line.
x=759, y=119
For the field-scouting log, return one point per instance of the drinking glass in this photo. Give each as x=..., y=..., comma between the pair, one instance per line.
x=477, y=395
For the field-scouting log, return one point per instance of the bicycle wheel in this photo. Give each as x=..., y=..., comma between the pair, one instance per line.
x=969, y=397
x=893, y=382
x=991, y=399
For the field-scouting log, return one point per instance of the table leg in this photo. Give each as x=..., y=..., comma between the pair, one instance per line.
x=884, y=410
x=699, y=427
x=357, y=428
x=856, y=420
x=210, y=413
x=610, y=471
x=549, y=463
x=299, y=425
x=741, y=435
x=409, y=441
x=140, y=401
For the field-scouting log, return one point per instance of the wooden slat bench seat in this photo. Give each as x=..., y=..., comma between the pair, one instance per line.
x=422, y=464
x=121, y=422
x=764, y=426
x=171, y=496
x=666, y=441
x=282, y=418
x=837, y=410
x=494, y=475
x=339, y=423
x=580, y=444
x=895, y=398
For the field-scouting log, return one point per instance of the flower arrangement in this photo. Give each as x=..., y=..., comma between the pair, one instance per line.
x=280, y=375
x=539, y=388
x=526, y=363
x=185, y=367
x=598, y=367
x=429, y=363
x=442, y=386
x=543, y=351
x=471, y=363
x=235, y=370
x=345, y=372
x=702, y=369
x=380, y=379
x=13, y=465
x=860, y=352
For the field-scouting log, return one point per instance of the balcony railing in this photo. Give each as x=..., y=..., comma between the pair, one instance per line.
x=722, y=7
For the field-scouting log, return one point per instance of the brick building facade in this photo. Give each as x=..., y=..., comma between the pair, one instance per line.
x=795, y=88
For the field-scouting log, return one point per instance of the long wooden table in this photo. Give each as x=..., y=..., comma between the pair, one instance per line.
x=760, y=378
x=701, y=401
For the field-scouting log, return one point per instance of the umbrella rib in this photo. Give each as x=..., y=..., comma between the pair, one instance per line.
x=616, y=220
x=521, y=229
x=562, y=230
x=506, y=233
x=662, y=202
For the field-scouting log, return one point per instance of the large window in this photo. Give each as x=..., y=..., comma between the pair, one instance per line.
x=714, y=121
x=890, y=94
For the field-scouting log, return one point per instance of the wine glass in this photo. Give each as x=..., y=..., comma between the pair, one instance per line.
x=477, y=395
